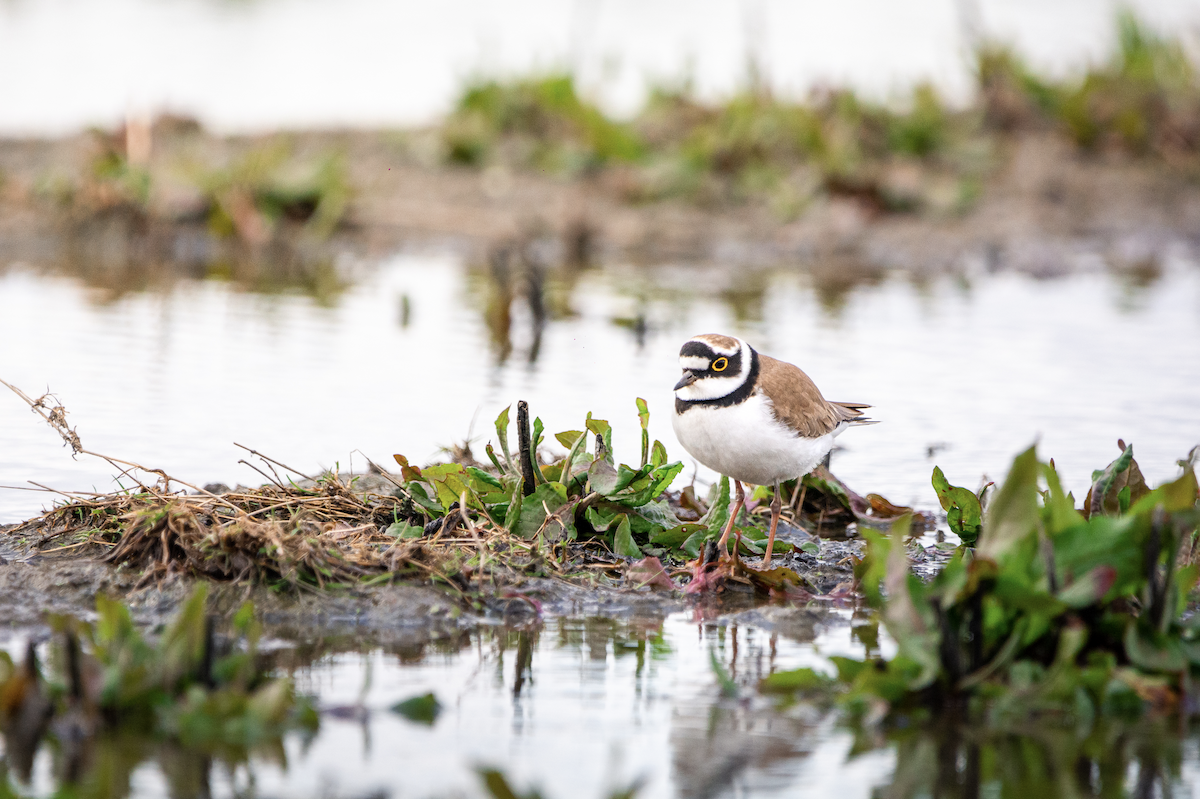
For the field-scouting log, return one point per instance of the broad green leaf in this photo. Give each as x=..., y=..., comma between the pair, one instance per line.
x=423, y=709
x=1153, y=652
x=803, y=679
x=404, y=530
x=601, y=428
x=1060, y=507
x=448, y=479
x=1012, y=515
x=422, y=499
x=658, y=454
x=1105, y=493
x=623, y=544
x=675, y=536
x=695, y=542
x=546, y=497
x=963, y=512
x=603, y=477
x=568, y=437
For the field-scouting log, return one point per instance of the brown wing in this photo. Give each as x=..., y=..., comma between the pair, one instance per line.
x=796, y=400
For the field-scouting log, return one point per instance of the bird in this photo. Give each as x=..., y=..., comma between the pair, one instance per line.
x=754, y=419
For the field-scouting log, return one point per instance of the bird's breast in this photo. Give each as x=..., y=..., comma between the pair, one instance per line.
x=746, y=441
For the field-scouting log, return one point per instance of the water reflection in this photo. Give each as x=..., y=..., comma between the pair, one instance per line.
x=956, y=761
x=587, y=706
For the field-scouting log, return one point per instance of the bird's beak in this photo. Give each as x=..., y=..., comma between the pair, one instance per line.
x=688, y=378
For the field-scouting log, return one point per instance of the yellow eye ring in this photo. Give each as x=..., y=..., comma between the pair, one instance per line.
x=720, y=364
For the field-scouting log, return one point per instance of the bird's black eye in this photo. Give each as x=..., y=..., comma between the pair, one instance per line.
x=720, y=364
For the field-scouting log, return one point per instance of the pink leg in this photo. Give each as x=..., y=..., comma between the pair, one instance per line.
x=733, y=514
x=775, y=508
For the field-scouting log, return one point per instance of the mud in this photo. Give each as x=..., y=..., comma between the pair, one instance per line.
x=34, y=584
x=1043, y=208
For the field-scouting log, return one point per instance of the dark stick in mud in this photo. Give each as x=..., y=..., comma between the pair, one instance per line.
x=526, y=455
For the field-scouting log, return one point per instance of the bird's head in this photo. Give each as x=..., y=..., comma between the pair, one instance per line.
x=713, y=367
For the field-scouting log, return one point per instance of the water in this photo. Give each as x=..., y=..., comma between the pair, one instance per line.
x=583, y=707
x=252, y=65
x=963, y=371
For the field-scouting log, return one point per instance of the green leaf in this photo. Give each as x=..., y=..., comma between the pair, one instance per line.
x=423, y=709
x=421, y=498
x=404, y=530
x=568, y=437
x=604, y=430
x=1123, y=473
x=644, y=418
x=1059, y=506
x=502, y=437
x=448, y=479
x=603, y=477
x=803, y=679
x=623, y=544
x=1012, y=515
x=546, y=497
x=578, y=441
x=1153, y=652
x=515, y=505
x=718, y=510
x=675, y=536
x=964, y=514
x=658, y=454
x=696, y=540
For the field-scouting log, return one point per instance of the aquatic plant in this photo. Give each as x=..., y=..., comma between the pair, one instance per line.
x=265, y=188
x=544, y=118
x=188, y=685
x=1055, y=612
x=1144, y=100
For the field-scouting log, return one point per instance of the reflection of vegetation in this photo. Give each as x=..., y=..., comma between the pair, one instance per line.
x=107, y=684
x=959, y=761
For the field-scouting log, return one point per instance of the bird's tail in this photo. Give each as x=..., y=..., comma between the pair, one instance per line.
x=852, y=413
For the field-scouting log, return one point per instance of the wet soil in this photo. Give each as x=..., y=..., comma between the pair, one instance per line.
x=34, y=583
x=1044, y=206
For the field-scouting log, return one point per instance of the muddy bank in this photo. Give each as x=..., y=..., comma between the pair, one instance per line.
x=1045, y=207
x=40, y=575
x=33, y=585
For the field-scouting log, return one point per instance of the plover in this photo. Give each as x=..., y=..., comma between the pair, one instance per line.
x=754, y=419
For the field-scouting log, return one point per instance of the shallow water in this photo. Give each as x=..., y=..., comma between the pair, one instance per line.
x=583, y=707
x=259, y=64
x=963, y=371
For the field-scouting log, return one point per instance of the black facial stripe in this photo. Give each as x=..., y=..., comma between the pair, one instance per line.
x=742, y=393
x=697, y=349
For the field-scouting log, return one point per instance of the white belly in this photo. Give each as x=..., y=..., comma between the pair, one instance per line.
x=747, y=443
